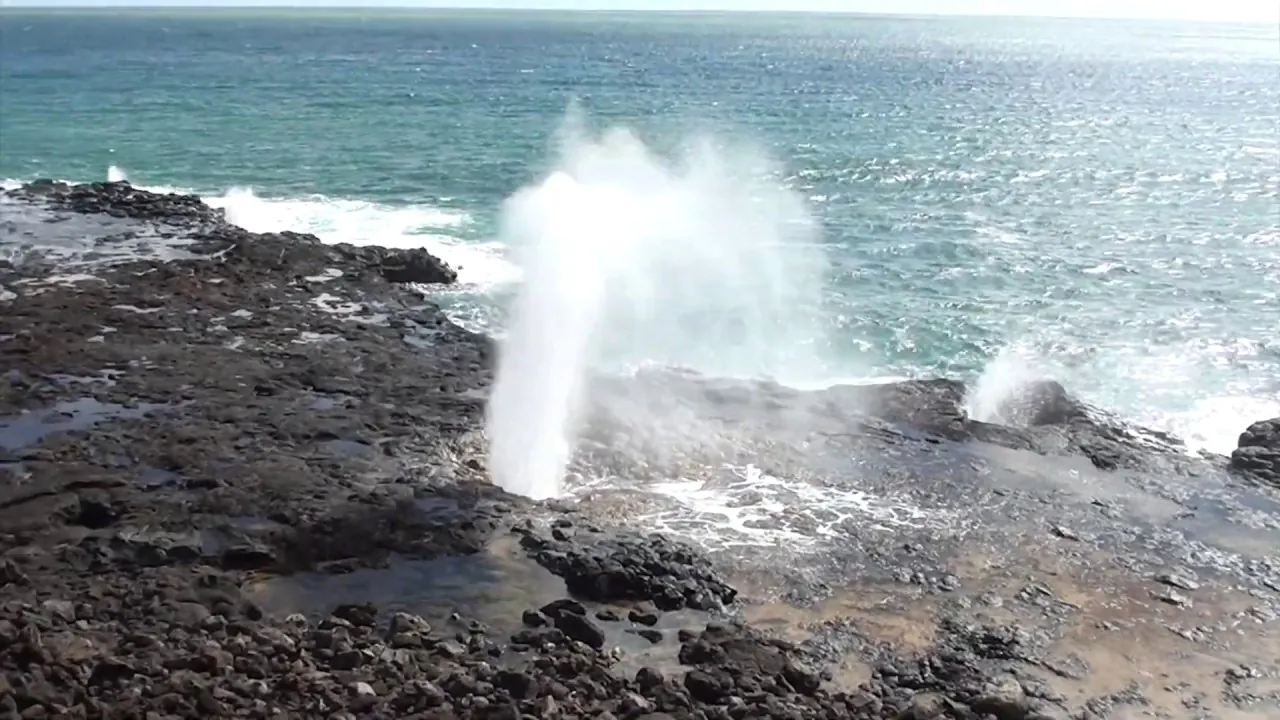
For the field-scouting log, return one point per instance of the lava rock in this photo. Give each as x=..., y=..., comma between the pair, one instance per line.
x=162, y=579
x=1259, y=462
x=1257, y=452
x=705, y=687
x=580, y=628
x=628, y=567
x=653, y=636
x=417, y=266
x=95, y=514
x=1004, y=698
x=643, y=617
x=1264, y=433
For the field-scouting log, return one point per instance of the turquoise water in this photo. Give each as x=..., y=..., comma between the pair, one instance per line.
x=998, y=198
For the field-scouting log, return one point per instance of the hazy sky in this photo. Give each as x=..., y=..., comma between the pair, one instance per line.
x=1220, y=10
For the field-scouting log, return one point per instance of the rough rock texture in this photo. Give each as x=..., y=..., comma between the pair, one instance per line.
x=1042, y=418
x=1044, y=402
x=196, y=663
x=629, y=566
x=246, y=479
x=402, y=266
x=1258, y=451
x=121, y=200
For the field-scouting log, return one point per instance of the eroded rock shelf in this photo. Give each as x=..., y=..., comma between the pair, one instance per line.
x=242, y=475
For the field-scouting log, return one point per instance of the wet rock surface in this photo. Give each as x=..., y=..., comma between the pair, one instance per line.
x=248, y=481
x=624, y=566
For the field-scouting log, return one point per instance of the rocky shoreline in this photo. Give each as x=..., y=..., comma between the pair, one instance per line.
x=242, y=475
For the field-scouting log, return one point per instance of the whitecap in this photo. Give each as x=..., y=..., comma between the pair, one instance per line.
x=358, y=222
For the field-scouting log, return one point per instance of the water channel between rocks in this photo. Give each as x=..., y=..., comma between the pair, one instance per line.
x=493, y=587
x=31, y=428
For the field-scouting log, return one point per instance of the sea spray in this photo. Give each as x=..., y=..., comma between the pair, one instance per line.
x=1008, y=374
x=631, y=259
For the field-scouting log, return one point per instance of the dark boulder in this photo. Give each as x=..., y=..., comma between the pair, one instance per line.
x=122, y=200
x=629, y=567
x=417, y=266
x=936, y=406
x=1258, y=451
x=1264, y=433
x=580, y=628
x=397, y=266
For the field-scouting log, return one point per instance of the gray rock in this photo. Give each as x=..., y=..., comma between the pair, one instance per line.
x=63, y=610
x=190, y=614
x=1004, y=698
x=643, y=617
x=276, y=639
x=347, y=660
x=363, y=689
x=1178, y=579
x=450, y=649
x=580, y=628
x=404, y=622
x=926, y=706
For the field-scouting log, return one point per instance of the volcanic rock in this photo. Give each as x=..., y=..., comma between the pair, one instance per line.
x=286, y=514
x=1258, y=451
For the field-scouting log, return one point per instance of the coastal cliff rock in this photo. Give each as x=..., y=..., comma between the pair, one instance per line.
x=121, y=200
x=1044, y=402
x=1258, y=451
x=243, y=475
x=188, y=214
x=401, y=266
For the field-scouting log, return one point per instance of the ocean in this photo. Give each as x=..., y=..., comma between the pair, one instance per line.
x=991, y=199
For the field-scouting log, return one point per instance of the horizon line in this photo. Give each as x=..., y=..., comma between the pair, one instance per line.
x=269, y=6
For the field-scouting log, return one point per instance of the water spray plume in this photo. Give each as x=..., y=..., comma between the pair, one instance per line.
x=628, y=259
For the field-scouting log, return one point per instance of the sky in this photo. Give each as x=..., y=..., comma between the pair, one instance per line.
x=1259, y=11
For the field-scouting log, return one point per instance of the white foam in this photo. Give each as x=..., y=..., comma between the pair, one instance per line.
x=334, y=220
x=136, y=309
x=1167, y=389
x=348, y=310
x=307, y=337
x=1103, y=268
x=847, y=381
x=328, y=275
x=754, y=509
x=999, y=235
x=336, y=305
x=1214, y=424
x=357, y=222
x=1011, y=370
